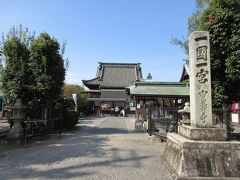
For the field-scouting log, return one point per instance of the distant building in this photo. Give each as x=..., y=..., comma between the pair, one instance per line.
x=160, y=94
x=185, y=74
x=111, y=80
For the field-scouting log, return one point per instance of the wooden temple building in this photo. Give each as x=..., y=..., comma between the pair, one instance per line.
x=160, y=95
x=110, y=82
x=122, y=85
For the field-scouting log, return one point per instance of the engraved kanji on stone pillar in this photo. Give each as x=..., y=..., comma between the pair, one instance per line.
x=200, y=79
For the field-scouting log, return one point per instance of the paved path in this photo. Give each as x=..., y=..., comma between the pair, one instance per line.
x=102, y=149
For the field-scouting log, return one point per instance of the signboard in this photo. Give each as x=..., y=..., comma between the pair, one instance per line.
x=74, y=96
x=132, y=108
x=235, y=117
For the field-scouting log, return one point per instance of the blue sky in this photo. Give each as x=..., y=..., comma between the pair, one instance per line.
x=108, y=31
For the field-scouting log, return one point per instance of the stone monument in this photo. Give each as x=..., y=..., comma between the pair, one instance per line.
x=200, y=150
x=200, y=80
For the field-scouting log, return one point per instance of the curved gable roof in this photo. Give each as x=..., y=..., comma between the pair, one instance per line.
x=115, y=75
x=94, y=81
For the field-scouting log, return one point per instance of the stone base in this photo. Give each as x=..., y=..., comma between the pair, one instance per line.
x=188, y=158
x=203, y=134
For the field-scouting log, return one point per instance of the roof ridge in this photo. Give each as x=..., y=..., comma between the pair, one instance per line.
x=105, y=63
x=91, y=79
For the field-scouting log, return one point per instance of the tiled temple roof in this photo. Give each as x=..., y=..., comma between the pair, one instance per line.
x=168, y=89
x=115, y=75
x=94, y=81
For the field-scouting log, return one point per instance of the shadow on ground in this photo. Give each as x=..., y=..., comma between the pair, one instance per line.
x=76, y=154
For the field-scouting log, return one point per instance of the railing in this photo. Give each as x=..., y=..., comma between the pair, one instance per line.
x=161, y=121
x=39, y=127
x=165, y=119
x=222, y=119
x=33, y=128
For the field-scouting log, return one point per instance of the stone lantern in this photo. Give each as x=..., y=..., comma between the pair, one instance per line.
x=16, y=132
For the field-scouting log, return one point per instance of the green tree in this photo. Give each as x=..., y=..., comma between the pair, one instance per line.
x=1, y=65
x=195, y=18
x=222, y=19
x=1, y=69
x=69, y=89
x=149, y=76
x=16, y=75
x=34, y=69
x=47, y=66
x=83, y=104
x=193, y=25
x=183, y=43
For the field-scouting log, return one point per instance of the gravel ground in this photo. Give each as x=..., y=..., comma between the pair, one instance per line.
x=104, y=148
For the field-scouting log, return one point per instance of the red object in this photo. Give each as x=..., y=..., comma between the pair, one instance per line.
x=233, y=106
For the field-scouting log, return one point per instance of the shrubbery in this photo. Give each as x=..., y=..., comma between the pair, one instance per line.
x=70, y=119
x=84, y=106
x=69, y=103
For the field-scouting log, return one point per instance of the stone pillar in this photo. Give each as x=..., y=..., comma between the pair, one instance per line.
x=201, y=150
x=200, y=79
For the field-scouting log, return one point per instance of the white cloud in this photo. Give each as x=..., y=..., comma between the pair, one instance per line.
x=73, y=78
x=73, y=81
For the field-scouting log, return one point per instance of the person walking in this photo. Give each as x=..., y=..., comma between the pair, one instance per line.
x=123, y=112
x=116, y=111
